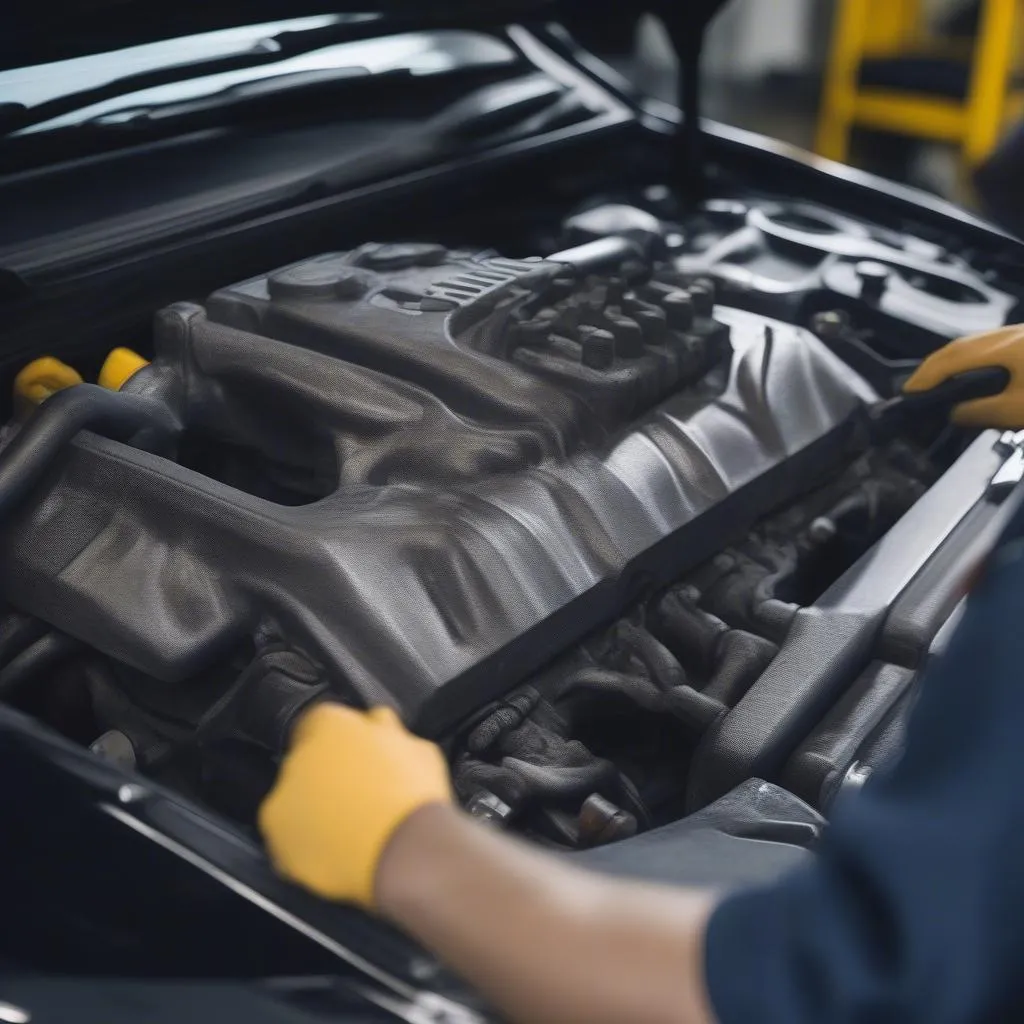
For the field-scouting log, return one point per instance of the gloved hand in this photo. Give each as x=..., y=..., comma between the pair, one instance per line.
x=347, y=783
x=1002, y=348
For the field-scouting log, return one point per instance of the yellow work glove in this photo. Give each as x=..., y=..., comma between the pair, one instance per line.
x=1001, y=348
x=347, y=783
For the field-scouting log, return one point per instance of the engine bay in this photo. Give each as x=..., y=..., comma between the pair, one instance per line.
x=608, y=515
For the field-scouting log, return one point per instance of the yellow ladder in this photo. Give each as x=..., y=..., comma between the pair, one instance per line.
x=866, y=29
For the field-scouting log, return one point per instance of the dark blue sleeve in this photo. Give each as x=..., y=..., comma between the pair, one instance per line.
x=914, y=910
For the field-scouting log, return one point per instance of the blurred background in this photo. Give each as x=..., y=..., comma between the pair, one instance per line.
x=922, y=91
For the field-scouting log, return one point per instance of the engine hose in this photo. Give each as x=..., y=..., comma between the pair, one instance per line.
x=83, y=407
x=19, y=632
x=46, y=652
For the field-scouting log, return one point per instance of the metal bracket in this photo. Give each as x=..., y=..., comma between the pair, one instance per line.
x=1011, y=473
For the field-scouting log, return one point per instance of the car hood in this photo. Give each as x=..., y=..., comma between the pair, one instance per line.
x=37, y=33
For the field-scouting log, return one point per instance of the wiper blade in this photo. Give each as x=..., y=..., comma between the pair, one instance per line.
x=321, y=82
x=309, y=95
x=16, y=117
x=270, y=49
x=486, y=110
x=306, y=61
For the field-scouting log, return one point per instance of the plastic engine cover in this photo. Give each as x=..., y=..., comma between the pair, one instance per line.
x=453, y=466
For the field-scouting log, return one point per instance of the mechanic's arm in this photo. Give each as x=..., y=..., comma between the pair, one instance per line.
x=910, y=912
x=362, y=813
x=545, y=941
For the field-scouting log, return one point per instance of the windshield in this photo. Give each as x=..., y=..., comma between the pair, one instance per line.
x=165, y=139
x=99, y=86
x=42, y=82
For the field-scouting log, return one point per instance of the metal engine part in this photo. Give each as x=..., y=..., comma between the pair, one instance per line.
x=789, y=258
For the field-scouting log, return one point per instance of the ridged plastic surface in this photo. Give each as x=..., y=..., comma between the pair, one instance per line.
x=479, y=444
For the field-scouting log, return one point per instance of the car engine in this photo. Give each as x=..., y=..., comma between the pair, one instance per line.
x=616, y=524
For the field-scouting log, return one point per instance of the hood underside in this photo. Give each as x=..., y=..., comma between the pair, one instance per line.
x=38, y=33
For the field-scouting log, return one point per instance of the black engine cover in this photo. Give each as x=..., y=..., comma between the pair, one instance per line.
x=446, y=467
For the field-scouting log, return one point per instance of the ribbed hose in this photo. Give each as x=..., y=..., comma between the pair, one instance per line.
x=82, y=407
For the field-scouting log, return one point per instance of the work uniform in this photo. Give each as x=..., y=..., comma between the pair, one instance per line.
x=913, y=910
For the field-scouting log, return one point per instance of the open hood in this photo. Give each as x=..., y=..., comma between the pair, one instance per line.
x=37, y=33
x=450, y=395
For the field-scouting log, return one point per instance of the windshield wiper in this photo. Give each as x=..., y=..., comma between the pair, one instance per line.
x=493, y=109
x=314, y=95
x=485, y=110
x=15, y=117
x=197, y=112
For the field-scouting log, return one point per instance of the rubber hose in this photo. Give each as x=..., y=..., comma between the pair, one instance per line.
x=82, y=407
x=26, y=630
x=42, y=655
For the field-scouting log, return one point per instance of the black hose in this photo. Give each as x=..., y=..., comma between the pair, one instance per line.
x=18, y=632
x=44, y=654
x=82, y=407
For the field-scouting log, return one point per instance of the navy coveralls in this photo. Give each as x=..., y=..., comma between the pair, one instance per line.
x=914, y=909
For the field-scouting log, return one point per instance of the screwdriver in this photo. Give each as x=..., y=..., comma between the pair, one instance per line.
x=978, y=381
x=983, y=382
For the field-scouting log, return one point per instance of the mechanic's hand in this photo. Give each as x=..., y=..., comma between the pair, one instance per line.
x=1003, y=348
x=348, y=782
